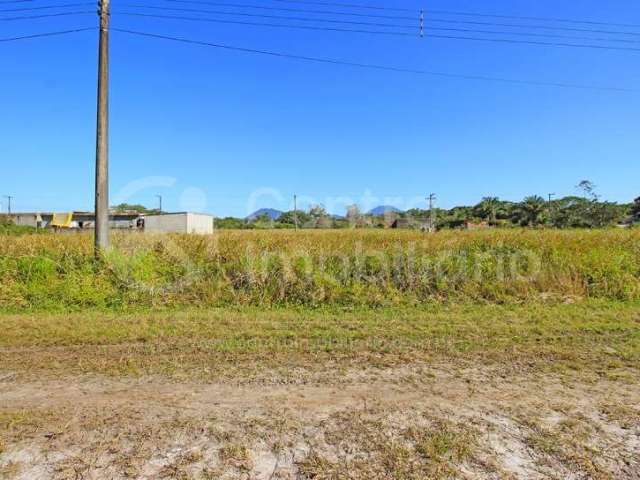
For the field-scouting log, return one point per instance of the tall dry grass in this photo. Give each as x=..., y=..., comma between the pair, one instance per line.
x=315, y=268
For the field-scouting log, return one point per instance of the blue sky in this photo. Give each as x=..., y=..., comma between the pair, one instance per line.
x=223, y=132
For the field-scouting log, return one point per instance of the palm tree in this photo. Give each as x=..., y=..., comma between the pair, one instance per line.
x=488, y=208
x=531, y=210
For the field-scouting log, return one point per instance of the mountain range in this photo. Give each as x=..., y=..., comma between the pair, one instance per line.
x=382, y=209
x=272, y=213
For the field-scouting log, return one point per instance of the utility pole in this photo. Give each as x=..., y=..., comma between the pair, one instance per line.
x=102, y=133
x=432, y=213
x=159, y=197
x=295, y=210
x=551, y=195
x=8, y=197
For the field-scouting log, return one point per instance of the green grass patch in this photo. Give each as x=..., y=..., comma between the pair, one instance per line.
x=602, y=335
x=372, y=268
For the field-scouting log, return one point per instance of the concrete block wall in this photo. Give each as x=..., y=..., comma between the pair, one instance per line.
x=179, y=223
x=199, y=223
x=166, y=223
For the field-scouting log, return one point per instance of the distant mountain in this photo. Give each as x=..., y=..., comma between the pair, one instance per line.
x=382, y=209
x=272, y=213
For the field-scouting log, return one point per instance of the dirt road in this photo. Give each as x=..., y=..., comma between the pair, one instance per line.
x=414, y=421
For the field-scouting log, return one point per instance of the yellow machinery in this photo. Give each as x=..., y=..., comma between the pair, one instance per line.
x=62, y=220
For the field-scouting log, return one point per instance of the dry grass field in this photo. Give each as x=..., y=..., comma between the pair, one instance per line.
x=322, y=355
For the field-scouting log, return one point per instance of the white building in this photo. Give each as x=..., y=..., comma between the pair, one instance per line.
x=181, y=222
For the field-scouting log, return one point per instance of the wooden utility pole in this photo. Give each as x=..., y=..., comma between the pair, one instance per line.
x=102, y=133
x=432, y=213
x=295, y=210
x=160, y=200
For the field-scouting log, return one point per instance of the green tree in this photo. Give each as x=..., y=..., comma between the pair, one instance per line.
x=289, y=218
x=531, y=211
x=263, y=221
x=230, y=223
x=571, y=212
x=135, y=207
x=488, y=208
x=588, y=211
x=589, y=189
x=317, y=211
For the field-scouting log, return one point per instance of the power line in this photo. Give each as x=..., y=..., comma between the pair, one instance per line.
x=33, y=17
x=535, y=42
x=261, y=15
x=544, y=27
x=530, y=34
x=370, y=66
x=544, y=19
x=66, y=5
x=262, y=7
x=348, y=5
x=261, y=24
x=323, y=20
x=428, y=18
x=379, y=32
x=47, y=34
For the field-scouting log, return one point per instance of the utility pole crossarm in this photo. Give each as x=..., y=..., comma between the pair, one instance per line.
x=102, y=134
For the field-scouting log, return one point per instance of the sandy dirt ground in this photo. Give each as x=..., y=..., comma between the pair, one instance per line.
x=412, y=421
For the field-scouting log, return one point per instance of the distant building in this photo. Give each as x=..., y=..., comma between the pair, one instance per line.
x=181, y=222
x=402, y=223
x=74, y=220
x=412, y=223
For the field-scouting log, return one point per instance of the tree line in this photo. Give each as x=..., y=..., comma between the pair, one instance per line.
x=585, y=210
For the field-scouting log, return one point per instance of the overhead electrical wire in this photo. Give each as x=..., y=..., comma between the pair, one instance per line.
x=45, y=7
x=348, y=5
x=520, y=17
x=367, y=65
x=534, y=42
x=426, y=12
x=46, y=34
x=427, y=18
x=350, y=22
x=282, y=9
x=48, y=15
x=278, y=17
x=427, y=29
x=262, y=24
x=544, y=27
x=380, y=32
